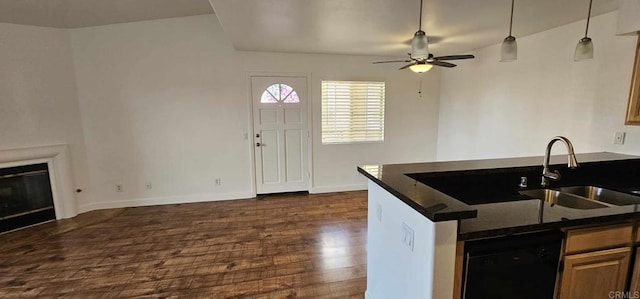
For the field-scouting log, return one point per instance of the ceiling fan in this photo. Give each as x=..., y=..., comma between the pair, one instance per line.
x=420, y=60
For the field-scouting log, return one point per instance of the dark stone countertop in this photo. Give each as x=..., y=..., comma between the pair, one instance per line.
x=439, y=190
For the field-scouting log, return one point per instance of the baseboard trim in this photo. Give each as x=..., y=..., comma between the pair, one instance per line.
x=154, y=201
x=329, y=189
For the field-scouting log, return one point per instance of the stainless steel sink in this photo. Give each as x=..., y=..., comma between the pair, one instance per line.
x=564, y=199
x=602, y=195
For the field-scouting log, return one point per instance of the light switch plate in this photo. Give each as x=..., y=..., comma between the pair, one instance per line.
x=618, y=138
x=407, y=236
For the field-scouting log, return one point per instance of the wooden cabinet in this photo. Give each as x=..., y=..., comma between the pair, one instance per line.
x=595, y=274
x=635, y=275
x=597, y=238
x=596, y=261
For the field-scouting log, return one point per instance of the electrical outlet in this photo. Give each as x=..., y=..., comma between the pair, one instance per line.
x=618, y=138
x=119, y=188
x=379, y=212
x=148, y=185
x=407, y=236
x=218, y=182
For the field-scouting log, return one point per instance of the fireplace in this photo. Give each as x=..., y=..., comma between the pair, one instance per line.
x=57, y=158
x=25, y=196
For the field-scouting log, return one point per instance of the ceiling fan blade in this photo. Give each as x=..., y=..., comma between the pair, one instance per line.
x=454, y=57
x=441, y=63
x=408, y=65
x=390, y=61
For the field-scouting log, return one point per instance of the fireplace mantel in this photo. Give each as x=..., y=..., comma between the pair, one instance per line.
x=60, y=173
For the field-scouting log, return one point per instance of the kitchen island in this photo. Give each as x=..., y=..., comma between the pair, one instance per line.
x=420, y=213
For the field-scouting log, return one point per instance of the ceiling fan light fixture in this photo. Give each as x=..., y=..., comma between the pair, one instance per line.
x=420, y=45
x=509, y=51
x=420, y=67
x=584, y=48
x=420, y=60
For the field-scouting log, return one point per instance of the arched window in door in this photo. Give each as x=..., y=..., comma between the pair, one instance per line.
x=280, y=93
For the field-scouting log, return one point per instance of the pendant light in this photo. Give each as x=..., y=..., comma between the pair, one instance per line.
x=509, y=50
x=584, y=49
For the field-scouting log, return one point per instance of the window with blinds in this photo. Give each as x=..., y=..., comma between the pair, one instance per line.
x=352, y=111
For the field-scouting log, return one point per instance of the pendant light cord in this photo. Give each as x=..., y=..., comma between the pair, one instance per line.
x=586, y=31
x=511, y=20
x=420, y=86
x=420, y=25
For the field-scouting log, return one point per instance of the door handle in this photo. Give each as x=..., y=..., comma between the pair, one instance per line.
x=258, y=144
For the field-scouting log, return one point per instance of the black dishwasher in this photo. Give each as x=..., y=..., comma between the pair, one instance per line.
x=521, y=266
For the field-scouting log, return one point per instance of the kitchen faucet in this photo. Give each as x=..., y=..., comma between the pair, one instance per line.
x=547, y=174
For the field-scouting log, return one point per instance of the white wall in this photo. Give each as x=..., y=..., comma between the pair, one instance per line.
x=38, y=100
x=166, y=102
x=493, y=109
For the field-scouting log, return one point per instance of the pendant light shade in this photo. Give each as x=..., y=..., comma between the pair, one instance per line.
x=584, y=49
x=509, y=51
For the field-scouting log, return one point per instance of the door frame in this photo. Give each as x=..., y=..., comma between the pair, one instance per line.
x=252, y=152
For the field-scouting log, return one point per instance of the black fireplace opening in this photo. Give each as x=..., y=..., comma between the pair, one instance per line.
x=25, y=196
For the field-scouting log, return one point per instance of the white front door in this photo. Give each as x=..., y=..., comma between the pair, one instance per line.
x=280, y=133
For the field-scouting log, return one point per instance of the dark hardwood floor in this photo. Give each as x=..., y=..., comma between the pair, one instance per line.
x=281, y=246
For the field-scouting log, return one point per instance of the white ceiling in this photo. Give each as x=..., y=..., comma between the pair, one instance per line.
x=382, y=27
x=361, y=27
x=84, y=13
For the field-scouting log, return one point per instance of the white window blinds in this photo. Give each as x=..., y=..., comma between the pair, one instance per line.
x=352, y=111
